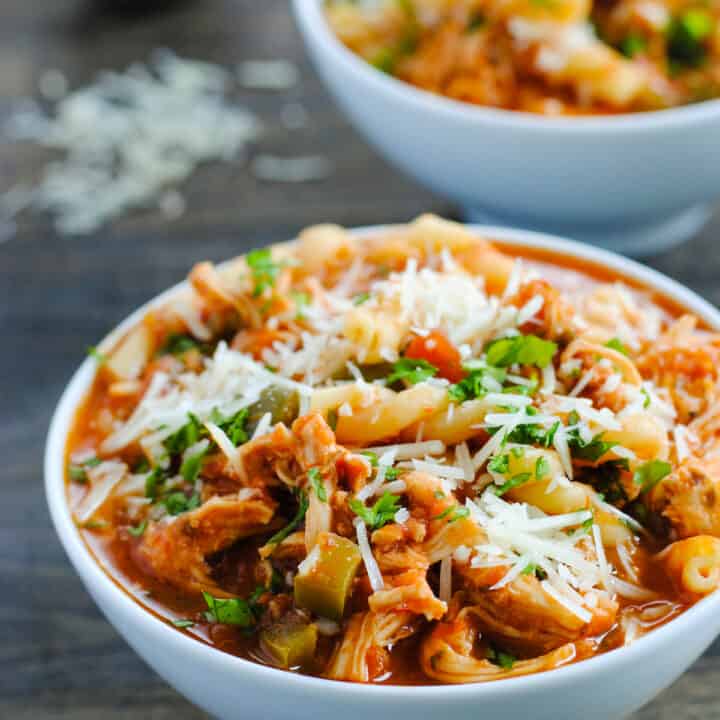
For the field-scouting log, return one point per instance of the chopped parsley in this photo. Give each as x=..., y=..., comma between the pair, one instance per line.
x=138, y=530
x=590, y=450
x=476, y=21
x=177, y=344
x=381, y=513
x=183, y=624
x=617, y=344
x=687, y=35
x=606, y=479
x=190, y=468
x=185, y=437
x=531, y=434
x=503, y=659
x=478, y=382
x=317, y=482
x=299, y=516
x=154, y=482
x=499, y=464
x=78, y=471
x=586, y=525
x=453, y=513
x=412, y=370
x=100, y=358
x=301, y=300
x=177, y=503
x=536, y=570
x=361, y=298
x=646, y=398
x=235, y=426
x=648, y=475
x=542, y=468
x=513, y=482
x=234, y=611
x=630, y=46
x=520, y=350
x=263, y=268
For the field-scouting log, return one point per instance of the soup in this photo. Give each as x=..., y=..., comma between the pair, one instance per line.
x=550, y=57
x=413, y=457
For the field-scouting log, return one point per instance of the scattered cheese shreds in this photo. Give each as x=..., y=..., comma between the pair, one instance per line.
x=129, y=136
x=298, y=169
x=103, y=478
x=374, y=575
x=445, y=593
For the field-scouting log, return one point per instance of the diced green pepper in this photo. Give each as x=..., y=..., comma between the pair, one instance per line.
x=325, y=577
x=290, y=645
x=283, y=404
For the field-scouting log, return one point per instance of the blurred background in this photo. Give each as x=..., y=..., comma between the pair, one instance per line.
x=60, y=292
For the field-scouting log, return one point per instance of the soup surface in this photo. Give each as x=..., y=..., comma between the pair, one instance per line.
x=412, y=457
x=544, y=56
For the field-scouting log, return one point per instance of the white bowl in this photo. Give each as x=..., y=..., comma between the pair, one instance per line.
x=632, y=183
x=611, y=685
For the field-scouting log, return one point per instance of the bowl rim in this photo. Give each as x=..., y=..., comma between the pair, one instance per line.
x=311, y=19
x=94, y=575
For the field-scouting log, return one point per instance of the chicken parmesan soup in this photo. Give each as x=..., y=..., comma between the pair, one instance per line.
x=545, y=56
x=405, y=457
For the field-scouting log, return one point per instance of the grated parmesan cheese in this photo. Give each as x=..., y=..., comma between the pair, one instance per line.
x=373, y=571
x=129, y=136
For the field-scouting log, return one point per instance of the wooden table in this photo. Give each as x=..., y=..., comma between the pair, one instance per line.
x=58, y=656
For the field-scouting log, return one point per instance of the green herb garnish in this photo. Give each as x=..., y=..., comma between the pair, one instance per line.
x=648, y=475
x=177, y=503
x=687, y=35
x=478, y=382
x=412, y=370
x=177, y=344
x=100, y=358
x=617, y=344
x=183, y=623
x=542, y=467
x=503, y=659
x=263, y=268
x=631, y=45
x=317, y=482
x=381, y=513
x=232, y=611
x=138, y=530
x=520, y=350
x=279, y=536
x=78, y=471
x=513, y=482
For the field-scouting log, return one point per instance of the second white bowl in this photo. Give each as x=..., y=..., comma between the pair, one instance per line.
x=632, y=183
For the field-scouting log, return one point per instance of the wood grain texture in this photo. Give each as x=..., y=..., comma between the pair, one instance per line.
x=59, y=658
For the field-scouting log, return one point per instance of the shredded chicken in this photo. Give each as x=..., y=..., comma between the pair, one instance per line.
x=176, y=550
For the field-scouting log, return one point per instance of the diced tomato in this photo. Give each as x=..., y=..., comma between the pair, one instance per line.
x=438, y=351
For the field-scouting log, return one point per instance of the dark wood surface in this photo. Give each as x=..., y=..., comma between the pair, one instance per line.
x=59, y=658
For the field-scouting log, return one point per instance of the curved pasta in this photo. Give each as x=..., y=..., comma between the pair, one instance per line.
x=388, y=417
x=322, y=248
x=377, y=336
x=453, y=427
x=642, y=433
x=693, y=565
